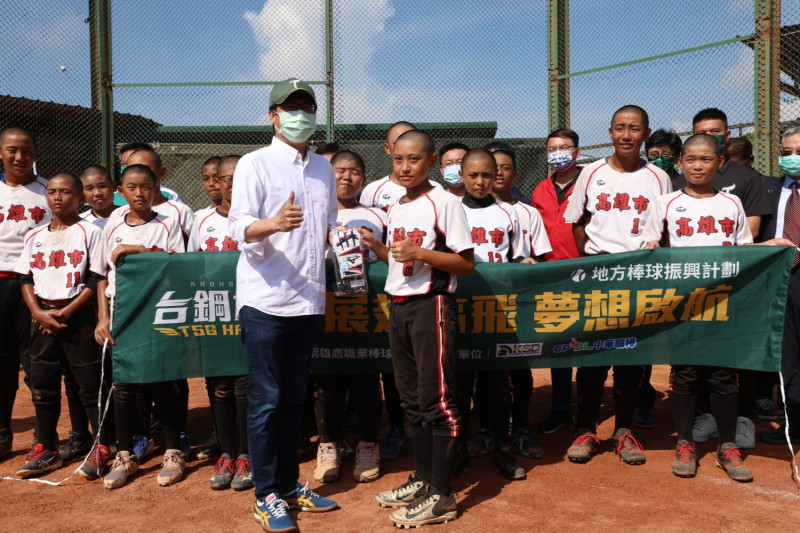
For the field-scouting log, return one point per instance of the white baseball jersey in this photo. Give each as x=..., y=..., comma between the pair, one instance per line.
x=21, y=209
x=494, y=230
x=89, y=216
x=181, y=212
x=170, y=194
x=688, y=221
x=616, y=203
x=369, y=218
x=534, y=233
x=384, y=192
x=160, y=234
x=210, y=232
x=59, y=260
x=435, y=221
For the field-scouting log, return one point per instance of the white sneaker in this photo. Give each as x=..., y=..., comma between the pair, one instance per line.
x=124, y=466
x=368, y=462
x=172, y=468
x=705, y=427
x=327, y=470
x=745, y=433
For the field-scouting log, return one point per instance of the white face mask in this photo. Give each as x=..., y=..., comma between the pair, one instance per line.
x=297, y=126
x=560, y=160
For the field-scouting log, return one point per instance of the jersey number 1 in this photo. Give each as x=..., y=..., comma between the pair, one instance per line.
x=73, y=279
x=635, y=229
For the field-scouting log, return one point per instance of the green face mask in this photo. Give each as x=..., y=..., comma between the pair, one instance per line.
x=667, y=164
x=721, y=139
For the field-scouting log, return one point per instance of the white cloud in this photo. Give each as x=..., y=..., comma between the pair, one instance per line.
x=740, y=75
x=291, y=34
x=56, y=33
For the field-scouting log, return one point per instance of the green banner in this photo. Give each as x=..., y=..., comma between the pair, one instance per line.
x=174, y=315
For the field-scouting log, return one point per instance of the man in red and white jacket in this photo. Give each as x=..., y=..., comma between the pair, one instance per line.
x=550, y=198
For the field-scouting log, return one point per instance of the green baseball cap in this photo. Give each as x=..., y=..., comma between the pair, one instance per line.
x=283, y=90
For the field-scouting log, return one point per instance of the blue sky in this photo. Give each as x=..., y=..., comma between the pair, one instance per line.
x=411, y=59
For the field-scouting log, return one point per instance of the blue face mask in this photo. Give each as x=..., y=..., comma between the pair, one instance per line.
x=790, y=164
x=451, y=175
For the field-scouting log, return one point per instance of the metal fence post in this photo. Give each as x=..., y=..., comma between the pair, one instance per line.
x=766, y=50
x=329, y=67
x=557, y=63
x=102, y=95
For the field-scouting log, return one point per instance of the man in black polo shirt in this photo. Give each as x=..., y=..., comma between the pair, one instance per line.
x=731, y=177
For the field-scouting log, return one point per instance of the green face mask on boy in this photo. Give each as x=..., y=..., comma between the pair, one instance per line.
x=721, y=139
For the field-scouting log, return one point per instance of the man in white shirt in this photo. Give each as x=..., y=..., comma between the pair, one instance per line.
x=282, y=208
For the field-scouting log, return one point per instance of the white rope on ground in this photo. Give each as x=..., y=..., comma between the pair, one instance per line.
x=795, y=473
x=102, y=417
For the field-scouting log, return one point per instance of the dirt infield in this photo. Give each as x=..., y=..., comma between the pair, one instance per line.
x=603, y=495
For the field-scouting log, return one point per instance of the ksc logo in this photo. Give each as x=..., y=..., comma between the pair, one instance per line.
x=578, y=275
x=527, y=349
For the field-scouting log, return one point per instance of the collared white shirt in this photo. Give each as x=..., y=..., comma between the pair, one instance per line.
x=786, y=192
x=284, y=274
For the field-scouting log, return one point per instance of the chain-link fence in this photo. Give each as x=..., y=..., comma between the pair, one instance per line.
x=461, y=71
x=46, y=81
x=675, y=60
x=788, y=66
x=193, y=78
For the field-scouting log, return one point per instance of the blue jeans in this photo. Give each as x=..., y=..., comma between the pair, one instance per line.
x=278, y=361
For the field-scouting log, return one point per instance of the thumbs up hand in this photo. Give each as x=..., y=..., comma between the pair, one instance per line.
x=404, y=250
x=291, y=216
